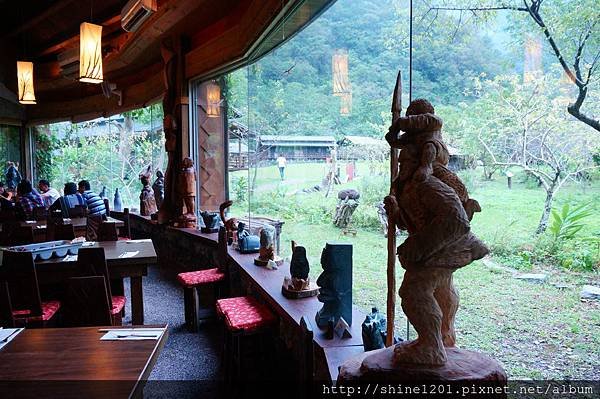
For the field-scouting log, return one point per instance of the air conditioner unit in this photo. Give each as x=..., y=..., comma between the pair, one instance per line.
x=135, y=13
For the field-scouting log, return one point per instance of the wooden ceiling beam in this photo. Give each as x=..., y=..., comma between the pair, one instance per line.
x=137, y=95
x=110, y=25
x=32, y=22
x=233, y=42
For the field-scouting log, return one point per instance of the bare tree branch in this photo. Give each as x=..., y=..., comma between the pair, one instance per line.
x=533, y=9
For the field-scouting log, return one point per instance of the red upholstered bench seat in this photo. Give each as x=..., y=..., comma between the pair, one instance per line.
x=49, y=309
x=199, y=277
x=245, y=314
x=118, y=303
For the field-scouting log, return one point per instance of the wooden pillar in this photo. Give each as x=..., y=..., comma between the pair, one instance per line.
x=212, y=153
x=175, y=123
x=27, y=165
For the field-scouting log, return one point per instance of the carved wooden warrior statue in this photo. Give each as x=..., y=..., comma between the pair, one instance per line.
x=187, y=193
x=432, y=204
x=147, y=200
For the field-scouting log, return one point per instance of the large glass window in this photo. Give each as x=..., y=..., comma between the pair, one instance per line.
x=109, y=152
x=305, y=126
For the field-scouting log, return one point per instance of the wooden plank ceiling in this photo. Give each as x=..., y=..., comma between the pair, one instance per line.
x=44, y=31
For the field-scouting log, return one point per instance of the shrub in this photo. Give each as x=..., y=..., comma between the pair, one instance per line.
x=566, y=224
x=240, y=188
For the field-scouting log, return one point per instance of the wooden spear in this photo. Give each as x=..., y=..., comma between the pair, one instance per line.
x=391, y=234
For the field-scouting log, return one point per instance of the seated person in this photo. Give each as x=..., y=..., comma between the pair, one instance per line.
x=48, y=193
x=27, y=199
x=5, y=198
x=94, y=203
x=70, y=200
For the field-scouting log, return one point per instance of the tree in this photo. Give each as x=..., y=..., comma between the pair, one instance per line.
x=570, y=30
x=524, y=125
x=107, y=152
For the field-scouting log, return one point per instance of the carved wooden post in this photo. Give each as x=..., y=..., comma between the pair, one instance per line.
x=174, y=80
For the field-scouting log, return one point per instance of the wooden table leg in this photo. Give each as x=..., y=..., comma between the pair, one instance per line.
x=137, y=300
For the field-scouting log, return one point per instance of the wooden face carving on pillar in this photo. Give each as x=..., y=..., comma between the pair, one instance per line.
x=172, y=68
x=432, y=204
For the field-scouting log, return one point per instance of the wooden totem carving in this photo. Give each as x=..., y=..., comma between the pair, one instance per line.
x=173, y=76
x=187, y=192
x=432, y=204
x=147, y=200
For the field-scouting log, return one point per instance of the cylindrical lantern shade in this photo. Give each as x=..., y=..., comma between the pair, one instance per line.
x=532, y=65
x=339, y=66
x=90, y=53
x=25, y=82
x=213, y=100
x=346, y=104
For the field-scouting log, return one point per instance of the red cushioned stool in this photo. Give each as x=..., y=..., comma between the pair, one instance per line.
x=192, y=281
x=243, y=317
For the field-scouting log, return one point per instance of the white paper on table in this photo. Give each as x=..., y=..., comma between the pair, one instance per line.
x=129, y=254
x=88, y=243
x=137, y=241
x=132, y=334
x=70, y=258
x=31, y=221
x=6, y=332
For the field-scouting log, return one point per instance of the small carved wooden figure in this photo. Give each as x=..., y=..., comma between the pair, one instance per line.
x=159, y=188
x=299, y=268
x=267, y=247
x=147, y=200
x=231, y=224
x=187, y=193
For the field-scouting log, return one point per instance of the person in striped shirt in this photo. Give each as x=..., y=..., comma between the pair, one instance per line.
x=95, y=204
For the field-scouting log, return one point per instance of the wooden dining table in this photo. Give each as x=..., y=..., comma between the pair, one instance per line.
x=129, y=258
x=75, y=363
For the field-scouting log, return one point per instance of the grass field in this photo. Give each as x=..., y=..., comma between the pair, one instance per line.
x=535, y=330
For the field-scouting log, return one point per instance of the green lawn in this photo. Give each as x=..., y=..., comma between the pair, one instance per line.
x=535, y=330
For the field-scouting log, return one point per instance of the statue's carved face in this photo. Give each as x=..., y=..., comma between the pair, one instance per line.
x=409, y=162
x=187, y=163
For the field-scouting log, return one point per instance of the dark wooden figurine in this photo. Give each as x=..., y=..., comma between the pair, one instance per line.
x=335, y=284
x=147, y=200
x=159, y=188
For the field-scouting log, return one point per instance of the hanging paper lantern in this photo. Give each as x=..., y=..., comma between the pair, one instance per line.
x=339, y=66
x=346, y=104
x=213, y=100
x=25, y=82
x=90, y=53
x=533, y=59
